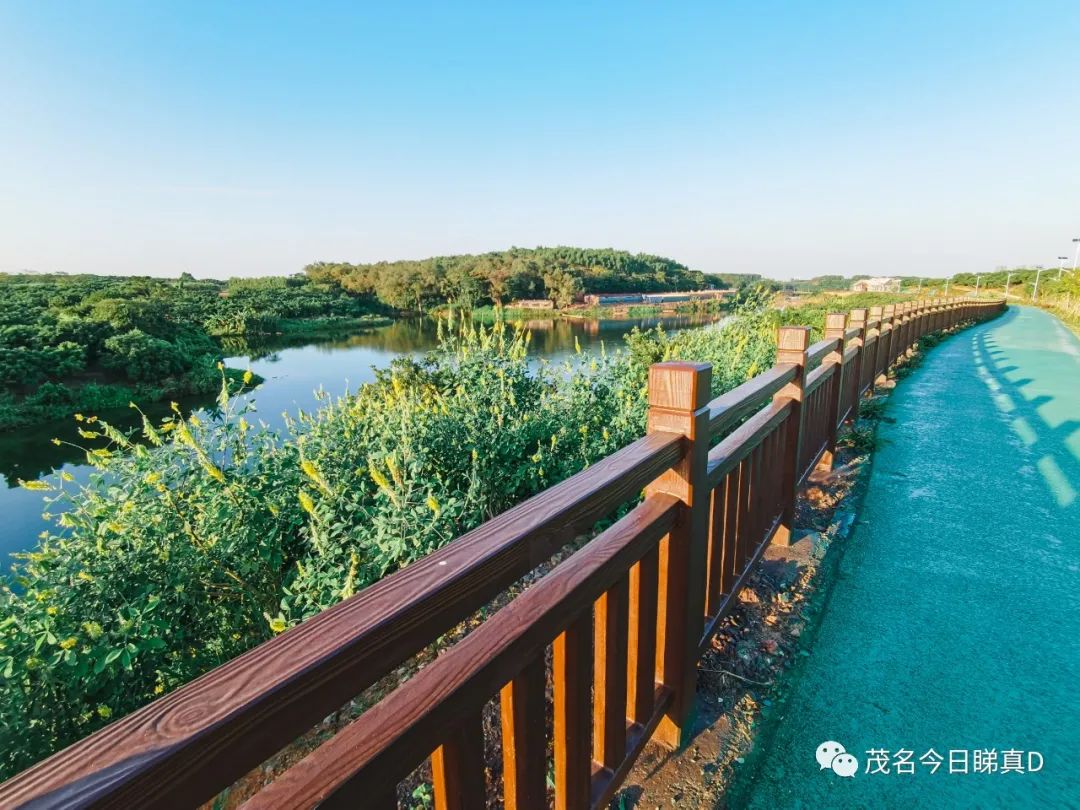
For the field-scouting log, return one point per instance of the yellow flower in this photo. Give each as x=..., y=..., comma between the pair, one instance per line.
x=104, y=712
x=36, y=486
x=307, y=503
x=248, y=376
x=66, y=476
x=85, y=577
x=68, y=643
x=159, y=689
x=433, y=504
x=278, y=625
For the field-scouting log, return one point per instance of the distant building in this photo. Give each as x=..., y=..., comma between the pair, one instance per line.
x=879, y=284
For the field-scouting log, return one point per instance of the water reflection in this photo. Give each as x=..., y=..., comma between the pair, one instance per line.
x=293, y=367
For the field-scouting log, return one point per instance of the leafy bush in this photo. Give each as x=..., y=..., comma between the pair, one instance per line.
x=143, y=357
x=178, y=556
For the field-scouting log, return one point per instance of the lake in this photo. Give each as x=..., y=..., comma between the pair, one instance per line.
x=292, y=374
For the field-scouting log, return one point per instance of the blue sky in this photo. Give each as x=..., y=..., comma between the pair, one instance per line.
x=781, y=138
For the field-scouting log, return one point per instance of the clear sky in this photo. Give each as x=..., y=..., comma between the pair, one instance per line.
x=783, y=138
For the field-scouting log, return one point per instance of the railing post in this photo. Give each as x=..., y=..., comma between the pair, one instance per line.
x=884, y=352
x=678, y=403
x=919, y=317
x=835, y=326
x=858, y=321
x=908, y=324
x=792, y=343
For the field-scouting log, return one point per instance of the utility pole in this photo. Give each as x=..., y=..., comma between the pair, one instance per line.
x=1061, y=265
x=947, y=282
x=978, y=281
x=1008, y=281
x=1035, y=292
x=1076, y=256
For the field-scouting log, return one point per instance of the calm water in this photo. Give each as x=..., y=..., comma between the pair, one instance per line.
x=292, y=374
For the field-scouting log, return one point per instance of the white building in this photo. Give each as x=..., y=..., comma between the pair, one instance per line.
x=878, y=284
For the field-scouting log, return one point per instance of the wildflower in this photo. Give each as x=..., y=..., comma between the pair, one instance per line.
x=66, y=476
x=68, y=643
x=104, y=712
x=307, y=503
x=35, y=486
x=84, y=576
x=92, y=629
x=433, y=504
x=159, y=689
x=248, y=376
x=278, y=624
x=395, y=473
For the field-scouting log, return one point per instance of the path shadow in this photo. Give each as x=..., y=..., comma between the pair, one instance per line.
x=1058, y=464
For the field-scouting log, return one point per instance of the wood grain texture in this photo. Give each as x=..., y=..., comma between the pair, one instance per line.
x=394, y=736
x=641, y=639
x=728, y=409
x=610, y=676
x=733, y=449
x=457, y=768
x=185, y=748
x=572, y=665
x=524, y=748
x=684, y=553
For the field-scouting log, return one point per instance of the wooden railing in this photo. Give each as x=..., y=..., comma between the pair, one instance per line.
x=626, y=617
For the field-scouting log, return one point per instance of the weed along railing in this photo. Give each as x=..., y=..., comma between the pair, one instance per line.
x=611, y=636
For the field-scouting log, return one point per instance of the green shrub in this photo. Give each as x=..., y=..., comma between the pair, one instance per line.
x=143, y=357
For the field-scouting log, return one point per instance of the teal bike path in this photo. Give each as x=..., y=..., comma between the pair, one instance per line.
x=954, y=621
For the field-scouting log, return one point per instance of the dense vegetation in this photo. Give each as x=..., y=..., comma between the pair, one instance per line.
x=82, y=343
x=560, y=274
x=215, y=534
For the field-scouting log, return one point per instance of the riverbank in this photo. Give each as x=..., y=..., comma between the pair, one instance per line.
x=96, y=390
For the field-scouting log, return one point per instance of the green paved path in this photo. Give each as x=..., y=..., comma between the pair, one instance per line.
x=955, y=620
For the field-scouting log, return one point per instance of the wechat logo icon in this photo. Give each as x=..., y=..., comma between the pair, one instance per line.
x=832, y=755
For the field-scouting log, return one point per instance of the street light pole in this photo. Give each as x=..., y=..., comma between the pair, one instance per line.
x=1076, y=255
x=1061, y=265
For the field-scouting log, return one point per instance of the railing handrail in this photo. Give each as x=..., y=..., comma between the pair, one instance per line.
x=729, y=408
x=380, y=746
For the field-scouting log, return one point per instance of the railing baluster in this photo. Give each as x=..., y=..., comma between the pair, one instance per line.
x=523, y=748
x=641, y=646
x=572, y=676
x=457, y=768
x=609, y=677
x=835, y=327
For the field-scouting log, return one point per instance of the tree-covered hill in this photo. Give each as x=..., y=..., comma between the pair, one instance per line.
x=558, y=273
